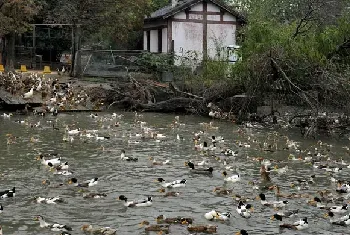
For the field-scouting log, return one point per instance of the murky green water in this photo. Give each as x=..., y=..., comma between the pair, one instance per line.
x=136, y=179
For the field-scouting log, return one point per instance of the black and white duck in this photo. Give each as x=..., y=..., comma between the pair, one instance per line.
x=275, y=204
x=299, y=225
x=85, y=184
x=342, y=220
x=94, y=195
x=53, y=226
x=207, y=171
x=8, y=193
x=136, y=203
x=244, y=210
x=174, y=184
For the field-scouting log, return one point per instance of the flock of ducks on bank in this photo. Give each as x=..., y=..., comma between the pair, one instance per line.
x=217, y=155
x=54, y=94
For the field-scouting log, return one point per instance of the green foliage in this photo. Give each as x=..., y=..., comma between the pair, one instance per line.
x=15, y=15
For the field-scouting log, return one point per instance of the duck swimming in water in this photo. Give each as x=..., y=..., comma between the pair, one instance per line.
x=208, y=171
x=174, y=184
x=136, y=203
x=53, y=227
x=299, y=225
x=244, y=210
x=85, y=184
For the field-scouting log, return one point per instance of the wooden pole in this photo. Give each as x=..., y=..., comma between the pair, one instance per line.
x=77, y=61
x=34, y=47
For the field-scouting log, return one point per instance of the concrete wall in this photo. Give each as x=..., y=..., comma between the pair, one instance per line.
x=219, y=37
x=154, y=40
x=145, y=40
x=212, y=7
x=164, y=40
x=180, y=15
x=188, y=38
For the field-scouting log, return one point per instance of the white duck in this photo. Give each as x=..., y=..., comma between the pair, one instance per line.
x=233, y=178
x=50, y=200
x=53, y=161
x=29, y=94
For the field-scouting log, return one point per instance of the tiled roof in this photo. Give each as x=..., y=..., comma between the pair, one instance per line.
x=169, y=10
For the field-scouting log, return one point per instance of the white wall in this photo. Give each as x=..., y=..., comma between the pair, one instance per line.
x=164, y=40
x=145, y=40
x=180, y=15
x=154, y=40
x=213, y=8
x=197, y=7
x=229, y=17
x=219, y=37
x=188, y=38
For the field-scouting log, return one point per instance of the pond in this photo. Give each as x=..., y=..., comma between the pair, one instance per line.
x=89, y=158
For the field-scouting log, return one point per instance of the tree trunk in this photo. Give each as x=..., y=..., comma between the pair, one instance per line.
x=9, y=56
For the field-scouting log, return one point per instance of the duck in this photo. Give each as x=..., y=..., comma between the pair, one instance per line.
x=215, y=215
x=48, y=182
x=124, y=158
x=244, y=210
x=53, y=227
x=73, y=132
x=282, y=170
x=62, y=166
x=299, y=225
x=222, y=191
x=211, y=215
x=343, y=220
x=265, y=175
x=8, y=193
x=233, y=178
x=292, y=195
x=98, y=231
x=174, y=184
x=177, y=220
x=1, y=208
x=339, y=209
x=136, y=203
x=63, y=233
x=242, y=232
x=169, y=194
x=161, y=228
x=28, y=94
x=94, y=195
x=208, y=171
x=50, y=200
x=275, y=204
x=53, y=161
x=202, y=228
x=343, y=187
x=5, y=115
x=85, y=184
x=288, y=214
x=316, y=201
x=158, y=163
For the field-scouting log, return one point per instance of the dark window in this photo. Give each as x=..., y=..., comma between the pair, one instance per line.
x=160, y=42
x=148, y=40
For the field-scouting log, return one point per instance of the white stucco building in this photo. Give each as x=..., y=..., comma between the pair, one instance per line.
x=192, y=28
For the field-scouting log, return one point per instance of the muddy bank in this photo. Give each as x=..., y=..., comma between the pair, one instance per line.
x=55, y=93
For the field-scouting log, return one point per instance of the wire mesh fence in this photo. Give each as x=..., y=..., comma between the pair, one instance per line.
x=109, y=63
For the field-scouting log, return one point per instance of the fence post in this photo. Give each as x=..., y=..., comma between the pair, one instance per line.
x=76, y=63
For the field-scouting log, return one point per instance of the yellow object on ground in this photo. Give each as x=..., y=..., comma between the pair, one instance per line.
x=23, y=68
x=2, y=68
x=47, y=69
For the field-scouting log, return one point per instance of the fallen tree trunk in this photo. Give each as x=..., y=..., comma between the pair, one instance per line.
x=179, y=104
